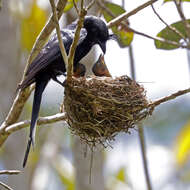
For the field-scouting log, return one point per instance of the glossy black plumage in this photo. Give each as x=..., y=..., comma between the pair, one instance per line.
x=49, y=63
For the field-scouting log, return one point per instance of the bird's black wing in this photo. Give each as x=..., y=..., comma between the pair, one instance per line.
x=50, y=53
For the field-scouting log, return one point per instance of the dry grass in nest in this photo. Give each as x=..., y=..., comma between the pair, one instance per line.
x=99, y=108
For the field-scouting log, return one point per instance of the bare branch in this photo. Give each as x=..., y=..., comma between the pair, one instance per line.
x=62, y=47
x=90, y=4
x=83, y=12
x=41, y=121
x=16, y=108
x=170, y=97
x=170, y=27
x=181, y=14
x=157, y=38
x=76, y=8
x=9, y=172
x=126, y=15
x=137, y=32
x=5, y=186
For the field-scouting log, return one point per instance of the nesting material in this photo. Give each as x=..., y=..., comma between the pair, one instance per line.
x=99, y=108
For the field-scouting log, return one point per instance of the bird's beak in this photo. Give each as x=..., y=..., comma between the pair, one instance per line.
x=102, y=46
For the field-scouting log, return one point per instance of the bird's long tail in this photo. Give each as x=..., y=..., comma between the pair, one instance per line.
x=40, y=86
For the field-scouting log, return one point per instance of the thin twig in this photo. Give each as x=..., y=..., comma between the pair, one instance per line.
x=83, y=12
x=126, y=15
x=173, y=29
x=158, y=38
x=9, y=172
x=5, y=186
x=185, y=21
x=90, y=4
x=76, y=8
x=100, y=4
x=170, y=97
x=56, y=21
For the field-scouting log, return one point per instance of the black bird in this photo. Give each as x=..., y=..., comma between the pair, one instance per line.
x=49, y=63
x=99, y=68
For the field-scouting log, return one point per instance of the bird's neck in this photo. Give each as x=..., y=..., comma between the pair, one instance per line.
x=82, y=49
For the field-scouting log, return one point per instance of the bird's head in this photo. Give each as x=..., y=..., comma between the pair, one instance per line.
x=79, y=70
x=97, y=31
x=100, y=69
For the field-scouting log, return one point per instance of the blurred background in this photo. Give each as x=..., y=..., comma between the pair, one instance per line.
x=59, y=160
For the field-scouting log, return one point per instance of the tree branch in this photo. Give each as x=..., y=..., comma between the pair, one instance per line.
x=169, y=26
x=126, y=15
x=170, y=97
x=56, y=22
x=9, y=172
x=41, y=121
x=82, y=14
x=5, y=186
x=135, y=31
x=187, y=25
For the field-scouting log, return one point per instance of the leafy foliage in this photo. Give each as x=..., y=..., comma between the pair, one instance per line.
x=168, y=34
x=124, y=35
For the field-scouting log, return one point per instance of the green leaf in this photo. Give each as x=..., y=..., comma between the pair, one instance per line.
x=69, y=5
x=125, y=36
x=168, y=34
x=165, y=1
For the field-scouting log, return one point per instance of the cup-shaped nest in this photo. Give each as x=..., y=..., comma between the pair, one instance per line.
x=99, y=108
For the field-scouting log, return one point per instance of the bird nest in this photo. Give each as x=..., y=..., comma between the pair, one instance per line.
x=99, y=108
